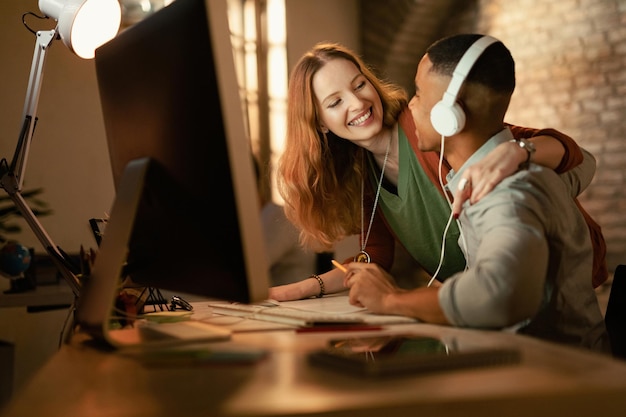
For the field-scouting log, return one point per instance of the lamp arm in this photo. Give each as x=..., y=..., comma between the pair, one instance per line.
x=58, y=257
x=15, y=174
x=12, y=177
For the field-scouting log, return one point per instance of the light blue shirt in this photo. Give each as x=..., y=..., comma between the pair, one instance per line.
x=529, y=259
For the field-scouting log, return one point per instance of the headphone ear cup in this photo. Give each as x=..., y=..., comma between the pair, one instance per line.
x=447, y=120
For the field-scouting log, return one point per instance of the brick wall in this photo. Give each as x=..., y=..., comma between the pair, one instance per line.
x=571, y=71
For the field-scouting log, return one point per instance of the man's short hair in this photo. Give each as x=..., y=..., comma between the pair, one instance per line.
x=495, y=68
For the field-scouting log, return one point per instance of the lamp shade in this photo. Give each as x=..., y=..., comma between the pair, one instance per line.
x=84, y=25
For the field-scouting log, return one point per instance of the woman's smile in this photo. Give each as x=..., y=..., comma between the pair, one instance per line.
x=361, y=119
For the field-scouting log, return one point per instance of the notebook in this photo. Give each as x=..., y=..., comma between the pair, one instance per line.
x=327, y=311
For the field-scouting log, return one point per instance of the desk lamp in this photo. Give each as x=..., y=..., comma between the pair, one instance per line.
x=82, y=25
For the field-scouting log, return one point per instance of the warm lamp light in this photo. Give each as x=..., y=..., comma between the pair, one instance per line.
x=83, y=25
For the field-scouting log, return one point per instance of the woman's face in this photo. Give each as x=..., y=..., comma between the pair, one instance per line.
x=347, y=103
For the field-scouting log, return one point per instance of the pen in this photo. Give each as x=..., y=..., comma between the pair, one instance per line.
x=339, y=266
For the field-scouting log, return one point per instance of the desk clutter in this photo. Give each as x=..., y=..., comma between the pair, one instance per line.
x=361, y=349
x=364, y=347
x=271, y=373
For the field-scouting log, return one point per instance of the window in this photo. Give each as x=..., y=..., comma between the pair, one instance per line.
x=259, y=46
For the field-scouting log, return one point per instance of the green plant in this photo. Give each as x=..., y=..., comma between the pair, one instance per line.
x=8, y=211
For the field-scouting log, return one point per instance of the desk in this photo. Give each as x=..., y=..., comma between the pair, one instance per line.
x=550, y=381
x=43, y=296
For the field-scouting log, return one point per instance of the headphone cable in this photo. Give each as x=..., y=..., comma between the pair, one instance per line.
x=445, y=231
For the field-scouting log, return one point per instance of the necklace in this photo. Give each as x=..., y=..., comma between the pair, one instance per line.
x=363, y=256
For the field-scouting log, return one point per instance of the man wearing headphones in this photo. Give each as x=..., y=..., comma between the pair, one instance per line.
x=527, y=246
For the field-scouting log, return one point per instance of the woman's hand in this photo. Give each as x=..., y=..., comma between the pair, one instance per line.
x=287, y=292
x=308, y=287
x=484, y=175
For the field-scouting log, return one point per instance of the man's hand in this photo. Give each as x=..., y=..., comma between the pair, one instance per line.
x=369, y=286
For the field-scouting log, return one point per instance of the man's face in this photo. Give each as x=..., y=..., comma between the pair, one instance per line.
x=429, y=89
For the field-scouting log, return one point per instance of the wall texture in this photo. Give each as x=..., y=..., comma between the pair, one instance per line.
x=571, y=72
x=69, y=157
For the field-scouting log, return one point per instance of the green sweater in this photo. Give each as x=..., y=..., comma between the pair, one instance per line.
x=418, y=214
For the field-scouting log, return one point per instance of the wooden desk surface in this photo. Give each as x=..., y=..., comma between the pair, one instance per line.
x=551, y=380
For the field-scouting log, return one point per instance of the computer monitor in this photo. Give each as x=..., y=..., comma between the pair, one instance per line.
x=186, y=216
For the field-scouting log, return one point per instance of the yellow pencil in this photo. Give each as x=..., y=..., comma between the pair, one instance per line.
x=339, y=266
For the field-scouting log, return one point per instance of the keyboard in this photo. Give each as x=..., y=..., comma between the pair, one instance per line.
x=302, y=318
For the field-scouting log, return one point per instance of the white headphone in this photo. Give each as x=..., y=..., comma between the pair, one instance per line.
x=447, y=116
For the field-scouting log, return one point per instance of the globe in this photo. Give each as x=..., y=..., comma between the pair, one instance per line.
x=14, y=259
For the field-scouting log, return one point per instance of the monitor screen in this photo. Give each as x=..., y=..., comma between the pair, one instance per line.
x=186, y=214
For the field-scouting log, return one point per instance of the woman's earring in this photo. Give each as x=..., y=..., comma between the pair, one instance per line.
x=324, y=129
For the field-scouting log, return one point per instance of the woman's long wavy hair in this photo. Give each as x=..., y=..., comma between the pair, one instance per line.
x=319, y=175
